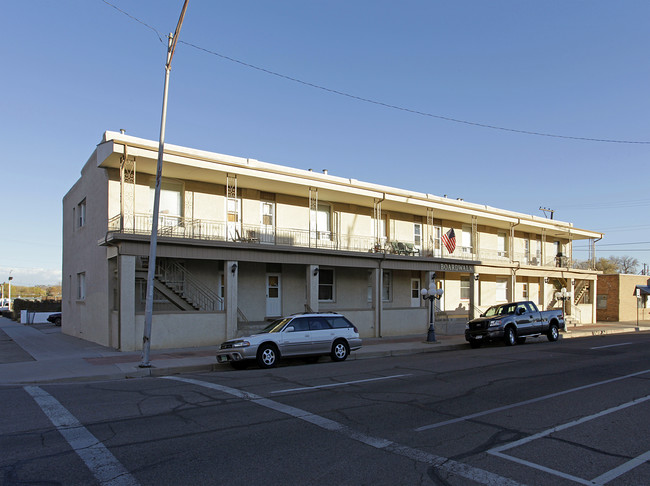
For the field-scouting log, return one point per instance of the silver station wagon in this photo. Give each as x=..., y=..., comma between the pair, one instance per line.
x=310, y=335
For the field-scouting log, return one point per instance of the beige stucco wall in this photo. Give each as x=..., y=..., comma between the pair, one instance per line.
x=82, y=254
x=181, y=330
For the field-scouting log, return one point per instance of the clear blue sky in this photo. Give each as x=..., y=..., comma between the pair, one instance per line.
x=73, y=69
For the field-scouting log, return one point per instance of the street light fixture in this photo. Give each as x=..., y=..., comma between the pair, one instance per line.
x=431, y=294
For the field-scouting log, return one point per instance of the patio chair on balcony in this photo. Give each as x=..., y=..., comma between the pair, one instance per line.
x=412, y=250
x=394, y=247
x=401, y=248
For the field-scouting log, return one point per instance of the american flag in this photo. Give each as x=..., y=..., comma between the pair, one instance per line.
x=449, y=239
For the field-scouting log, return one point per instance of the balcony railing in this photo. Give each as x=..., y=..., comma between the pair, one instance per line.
x=201, y=229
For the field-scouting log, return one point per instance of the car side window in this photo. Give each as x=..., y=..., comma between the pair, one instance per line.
x=529, y=308
x=339, y=322
x=318, y=324
x=299, y=325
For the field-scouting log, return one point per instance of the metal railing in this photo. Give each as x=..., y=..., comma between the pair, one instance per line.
x=185, y=285
x=201, y=229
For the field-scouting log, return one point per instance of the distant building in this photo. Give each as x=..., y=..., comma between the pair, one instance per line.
x=243, y=241
x=617, y=298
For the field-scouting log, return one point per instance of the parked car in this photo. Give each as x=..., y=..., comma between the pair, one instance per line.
x=55, y=318
x=513, y=323
x=308, y=335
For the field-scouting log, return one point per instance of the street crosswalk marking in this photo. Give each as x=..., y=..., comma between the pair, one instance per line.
x=101, y=462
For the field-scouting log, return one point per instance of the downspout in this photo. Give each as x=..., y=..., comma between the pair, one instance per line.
x=380, y=287
x=514, y=269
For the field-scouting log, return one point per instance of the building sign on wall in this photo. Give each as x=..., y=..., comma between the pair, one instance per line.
x=601, y=302
x=456, y=267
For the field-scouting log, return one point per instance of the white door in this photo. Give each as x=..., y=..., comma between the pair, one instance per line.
x=233, y=219
x=267, y=222
x=273, y=295
x=415, y=292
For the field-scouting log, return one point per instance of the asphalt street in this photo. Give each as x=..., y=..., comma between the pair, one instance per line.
x=569, y=412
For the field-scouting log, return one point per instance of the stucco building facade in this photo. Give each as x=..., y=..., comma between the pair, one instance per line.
x=242, y=241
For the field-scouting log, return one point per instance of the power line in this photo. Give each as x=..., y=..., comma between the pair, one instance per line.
x=381, y=103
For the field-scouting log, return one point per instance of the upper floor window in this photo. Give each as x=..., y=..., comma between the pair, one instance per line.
x=170, y=207
x=321, y=222
x=80, y=214
x=417, y=234
x=466, y=239
x=502, y=240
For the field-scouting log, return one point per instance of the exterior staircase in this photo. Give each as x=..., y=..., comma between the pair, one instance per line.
x=181, y=288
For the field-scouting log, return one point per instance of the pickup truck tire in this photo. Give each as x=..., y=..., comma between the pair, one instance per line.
x=553, y=332
x=510, y=336
x=267, y=356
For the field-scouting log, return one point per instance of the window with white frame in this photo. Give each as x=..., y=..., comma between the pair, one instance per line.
x=464, y=287
x=321, y=222
x=437, y=241
x=502, y=240
x=417, y=234
x=501, y=294
x=386, y=286
x=81, y=286
x=170, y=208
x=466, y=241
x=524, y=291
x=326, y=284
x=80, y=214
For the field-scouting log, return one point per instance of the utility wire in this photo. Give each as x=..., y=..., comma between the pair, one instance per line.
x=381, y=103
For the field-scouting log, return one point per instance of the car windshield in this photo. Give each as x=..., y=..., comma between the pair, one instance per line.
x=275, y=326
x=500, y=310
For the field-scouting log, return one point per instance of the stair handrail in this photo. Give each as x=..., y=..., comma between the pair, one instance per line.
x=183, y=283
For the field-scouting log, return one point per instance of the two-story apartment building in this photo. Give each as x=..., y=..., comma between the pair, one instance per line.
x=242, y=241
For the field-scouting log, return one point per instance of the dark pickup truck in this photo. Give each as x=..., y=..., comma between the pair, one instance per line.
x=512, y=323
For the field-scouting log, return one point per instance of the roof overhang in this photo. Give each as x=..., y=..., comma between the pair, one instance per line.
x=191, y=164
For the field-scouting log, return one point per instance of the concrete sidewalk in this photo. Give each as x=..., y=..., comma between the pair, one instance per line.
x=41, y=353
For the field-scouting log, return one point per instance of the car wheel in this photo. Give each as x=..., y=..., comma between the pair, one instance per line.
x=57, y=321
x=510, y=336
x=475, y=343
x=267, y=356
x=240, y=365
x=521, y=340
x=340, y=351
x=553, y=332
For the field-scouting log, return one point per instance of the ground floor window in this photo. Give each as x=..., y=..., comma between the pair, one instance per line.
x=81, y=286
x=326, y=284
x=501, y=294
x=464, y=287
x=386, y=286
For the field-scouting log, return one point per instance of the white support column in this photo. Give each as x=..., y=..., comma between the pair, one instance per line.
x=376, y=299
x=474, y=295
x=231, y=277
x=312, y=287
x=130, y=340
x=542, y=293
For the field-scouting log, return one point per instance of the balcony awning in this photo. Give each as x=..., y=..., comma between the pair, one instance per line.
x=645, y=289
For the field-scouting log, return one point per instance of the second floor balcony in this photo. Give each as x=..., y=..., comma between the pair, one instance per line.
x=202, y=229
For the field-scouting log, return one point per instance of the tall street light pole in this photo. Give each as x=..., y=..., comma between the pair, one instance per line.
x=148, y=309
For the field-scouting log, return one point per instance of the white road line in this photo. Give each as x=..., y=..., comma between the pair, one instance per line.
x=610, y=346
x=478, y=475
x=101, y=462
x=614, y=473
x=330, y=385
x=527, y=402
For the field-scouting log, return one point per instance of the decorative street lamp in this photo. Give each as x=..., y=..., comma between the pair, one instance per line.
x=431, y=294
x=563, y=295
